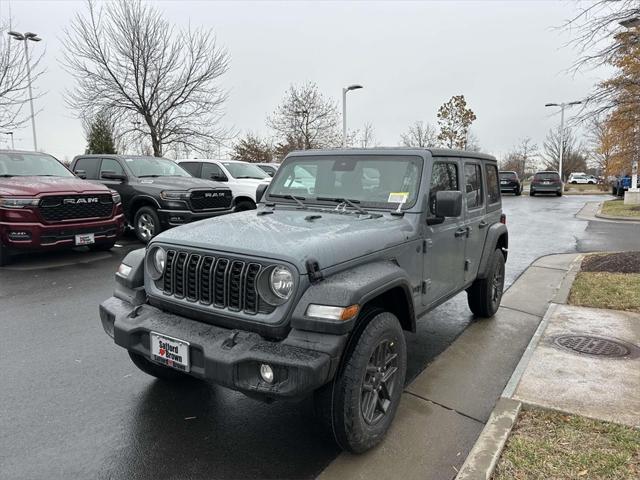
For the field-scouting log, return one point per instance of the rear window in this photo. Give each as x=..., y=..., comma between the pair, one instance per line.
x=508, y=176
x=547, y=176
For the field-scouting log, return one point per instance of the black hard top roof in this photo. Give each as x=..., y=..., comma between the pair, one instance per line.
x=435, y=152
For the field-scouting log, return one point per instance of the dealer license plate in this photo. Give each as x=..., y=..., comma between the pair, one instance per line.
x=170, y=351
x=85, y=239
x=503, y=182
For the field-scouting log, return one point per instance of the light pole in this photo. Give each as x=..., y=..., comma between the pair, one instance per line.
x=25, y=37
x=13, y=147
x=562, y=106
x=344, y=111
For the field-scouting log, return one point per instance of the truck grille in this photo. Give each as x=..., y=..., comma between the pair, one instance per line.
x=216, y=281
x=71, y=207
x=208, y=199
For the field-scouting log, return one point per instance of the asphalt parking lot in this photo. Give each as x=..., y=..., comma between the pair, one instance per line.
x=73, y=405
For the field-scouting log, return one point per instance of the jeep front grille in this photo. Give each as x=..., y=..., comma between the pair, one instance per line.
x=57, y=208
x=210, y=199
x=219, y=282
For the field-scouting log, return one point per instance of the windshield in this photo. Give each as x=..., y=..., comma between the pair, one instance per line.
x=375, y=181
x=508, y=175
x=245, y=170
x=547, y=176
x=155, y=167
x=31, y=164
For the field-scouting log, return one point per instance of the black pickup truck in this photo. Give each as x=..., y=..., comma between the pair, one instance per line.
x=156, y=193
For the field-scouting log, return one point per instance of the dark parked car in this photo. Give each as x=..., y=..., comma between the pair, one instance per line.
x=546, y=182
x=43, y=205
x=313, y=293
x=509, y=182
x=156, y=193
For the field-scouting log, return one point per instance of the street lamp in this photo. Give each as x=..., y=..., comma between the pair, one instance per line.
x=562, y=107
x=344, y=111
x=13, y=147
x=26, y=37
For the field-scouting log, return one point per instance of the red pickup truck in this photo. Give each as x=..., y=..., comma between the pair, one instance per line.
x=43, y=205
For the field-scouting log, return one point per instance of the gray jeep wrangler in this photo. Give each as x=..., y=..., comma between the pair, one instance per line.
x=313, y=291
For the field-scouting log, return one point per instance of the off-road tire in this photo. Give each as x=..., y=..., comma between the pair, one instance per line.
x=148, y=214
x=243, y=205
x=156, y=370
x=5, y=257
x=339, y=403
x=102, y=246
x=481, y=295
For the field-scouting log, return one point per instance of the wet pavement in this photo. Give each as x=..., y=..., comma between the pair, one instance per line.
x=72, y=405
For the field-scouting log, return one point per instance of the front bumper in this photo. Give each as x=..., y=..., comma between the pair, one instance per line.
x=173, y=218
x=40, y=236
x=231, y=358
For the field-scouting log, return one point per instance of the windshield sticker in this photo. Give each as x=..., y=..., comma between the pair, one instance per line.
x=398, y=197
x=128, y=159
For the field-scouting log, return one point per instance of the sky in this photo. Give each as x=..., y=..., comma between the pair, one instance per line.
x=508, y=58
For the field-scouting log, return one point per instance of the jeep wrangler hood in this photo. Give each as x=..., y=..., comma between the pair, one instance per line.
x=293, y=235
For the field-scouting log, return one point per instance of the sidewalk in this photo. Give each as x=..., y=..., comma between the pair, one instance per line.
x=582, y=361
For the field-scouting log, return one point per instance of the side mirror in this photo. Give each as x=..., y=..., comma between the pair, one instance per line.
x=448, y=203
x=218, y=178
x=81, y=173
x=113, y=176
x=260, y=191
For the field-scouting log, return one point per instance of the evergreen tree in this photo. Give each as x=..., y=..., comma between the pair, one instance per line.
x=100, y=136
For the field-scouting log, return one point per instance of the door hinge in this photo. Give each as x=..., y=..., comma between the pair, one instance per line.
x=467, y=264
x=428, y=243
x=426, y=285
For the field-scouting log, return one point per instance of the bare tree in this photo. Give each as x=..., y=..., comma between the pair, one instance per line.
x=14, y=80
x=128, y=60
x=252, y=148
x=305, y=119
x=573, y=157
x=420, y=135
x=368, y=136
x=522, y=158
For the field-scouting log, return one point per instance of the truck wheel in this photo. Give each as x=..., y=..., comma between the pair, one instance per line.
x=532, y=193
x=155, y=370
x=485, y=294
x=358, y=406
x=102, y=247
x=243, y=205
x=5, y=258
x=146, y=224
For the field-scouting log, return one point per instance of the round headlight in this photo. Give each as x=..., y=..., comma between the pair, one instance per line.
x=281, y=282
x=158, y=261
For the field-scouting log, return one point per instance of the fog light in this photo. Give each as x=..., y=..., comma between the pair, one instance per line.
x=124, y=270
x=19, y=235
x=266, y=372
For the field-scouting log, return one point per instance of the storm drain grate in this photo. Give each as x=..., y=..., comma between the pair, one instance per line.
x=595, y=346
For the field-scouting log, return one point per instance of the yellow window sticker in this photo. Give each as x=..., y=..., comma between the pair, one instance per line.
x=398, y=197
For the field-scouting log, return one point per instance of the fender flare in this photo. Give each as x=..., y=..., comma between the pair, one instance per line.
x=357, y=285
x=496, y=235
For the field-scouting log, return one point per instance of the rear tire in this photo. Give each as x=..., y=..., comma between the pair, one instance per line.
x=146, y=224
x=156, y=370
x=359, y=404
x=532, y=193
x=559, y=194
x=102, y=247
x=485, y=294
x=518, y=192
x=244, y=205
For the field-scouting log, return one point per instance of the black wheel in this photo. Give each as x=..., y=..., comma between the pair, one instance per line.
x=156, y=370
x=590, y=183
x=518, y=192
x=532, y=193
x=146, y=224
x=574, y=182
x=485, y=294
x=103, y=246
x=243, y=205
x=620, y=192
x=5, y=257
x=614, y=191
x=360, y=403
x=558, y=194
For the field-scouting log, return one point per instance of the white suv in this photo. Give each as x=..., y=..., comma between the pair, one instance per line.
x=242, y=178
x=580, y=177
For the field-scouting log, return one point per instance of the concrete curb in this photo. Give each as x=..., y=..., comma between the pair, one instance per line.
x=599, y=214
x=484, y=456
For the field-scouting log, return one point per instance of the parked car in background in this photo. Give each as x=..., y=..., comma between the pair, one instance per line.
x=510, y=182
x=546, y=182
x=620, y=185
x=242, y=178
x=314, y=295
x=156, y=193
x=43, y=205
x=270, y=168
x=582, y=178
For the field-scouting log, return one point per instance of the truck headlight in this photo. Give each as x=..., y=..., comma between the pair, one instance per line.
x=115, y=196
x=281, y=282
x=11, y=202
x=156, y=262
x=174, y=195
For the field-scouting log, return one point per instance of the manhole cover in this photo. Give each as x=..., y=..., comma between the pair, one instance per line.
x=596, y=346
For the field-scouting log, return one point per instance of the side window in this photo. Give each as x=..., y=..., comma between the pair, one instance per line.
x=444, y=176
x=211, y=169
x=192, y=167
x=473, y=185
x=89, y=165
x=111, y=165
x=493, y=183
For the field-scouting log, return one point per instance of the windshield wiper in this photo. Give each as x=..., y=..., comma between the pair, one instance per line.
x=298, y=200
x=351, y=203
x=249, y=176
x=155, y=175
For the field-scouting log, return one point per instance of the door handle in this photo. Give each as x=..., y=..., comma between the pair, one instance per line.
x=482, y=224
x=461, y=231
